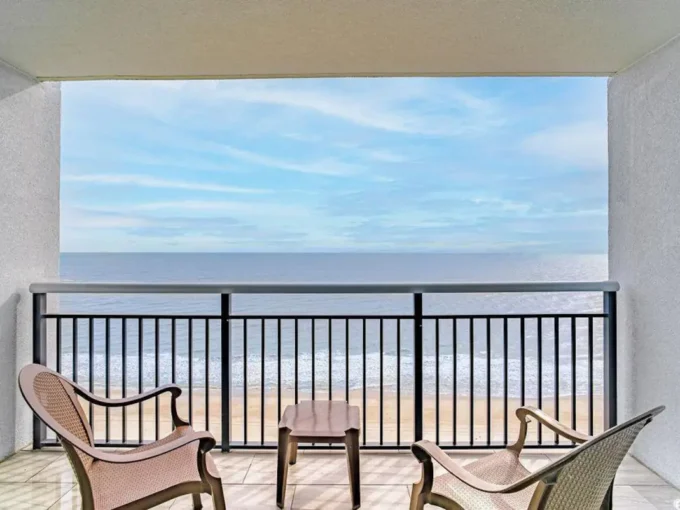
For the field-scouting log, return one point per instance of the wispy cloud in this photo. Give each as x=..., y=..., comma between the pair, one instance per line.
x=328, y=166
x=582, y=143
x=411, y=106
x=146, y=181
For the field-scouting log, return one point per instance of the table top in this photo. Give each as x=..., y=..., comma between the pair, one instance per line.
x=320, y=418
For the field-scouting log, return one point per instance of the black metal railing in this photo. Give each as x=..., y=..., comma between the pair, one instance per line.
x=453, y=378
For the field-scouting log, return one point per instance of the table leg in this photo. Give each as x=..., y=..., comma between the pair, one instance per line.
x=282, y=467
x=293, y=452
x=352, y=446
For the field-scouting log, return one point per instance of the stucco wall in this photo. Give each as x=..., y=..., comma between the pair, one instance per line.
x=644, y=246
x=30, y=115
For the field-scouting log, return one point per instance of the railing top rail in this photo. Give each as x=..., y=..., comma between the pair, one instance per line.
x=319, y=288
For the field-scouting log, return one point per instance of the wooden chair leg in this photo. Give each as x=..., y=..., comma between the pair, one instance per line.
x=217, y=494
x=197, y=501
x=293, y=453
x=282, y=467
x=420, y=490
x=352, y=446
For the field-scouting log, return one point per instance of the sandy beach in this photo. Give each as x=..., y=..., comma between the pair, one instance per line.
x=372, y=418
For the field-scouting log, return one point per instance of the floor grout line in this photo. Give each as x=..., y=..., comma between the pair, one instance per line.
x=28, y=480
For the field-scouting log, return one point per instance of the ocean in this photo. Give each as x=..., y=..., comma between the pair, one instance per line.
x=241, y=267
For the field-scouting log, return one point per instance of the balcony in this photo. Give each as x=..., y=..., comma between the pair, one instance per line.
x=417, y=372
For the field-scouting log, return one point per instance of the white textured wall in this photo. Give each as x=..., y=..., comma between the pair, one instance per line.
x=644, y=246
x=30, y=115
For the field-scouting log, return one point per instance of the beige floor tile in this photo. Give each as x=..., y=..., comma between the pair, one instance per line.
x=327, y=469
x=534, y=461
x=627, y=498
x=20, y=496
x=70, y=501
x=234, y=466
x=337, y=497
x=634, y=473
x=24, y=465
x=389, y=469
x=59, y=471
x=663, y=498
x=262, y=497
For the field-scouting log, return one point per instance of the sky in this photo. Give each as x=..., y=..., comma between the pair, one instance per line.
x=463, y=165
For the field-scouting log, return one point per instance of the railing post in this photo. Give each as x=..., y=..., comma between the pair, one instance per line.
x=225, y=328
x=39, y=357
x=418, y=365
x=610, y=374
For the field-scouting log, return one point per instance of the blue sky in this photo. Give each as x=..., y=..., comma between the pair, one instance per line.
x=413, y=164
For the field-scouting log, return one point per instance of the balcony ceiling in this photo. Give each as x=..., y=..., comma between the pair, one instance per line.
x=90, y=39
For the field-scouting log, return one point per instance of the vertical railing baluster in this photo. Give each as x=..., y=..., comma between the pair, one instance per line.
x=39, y=357
x=173, y=354
x=347, y=360
x=173, y=351
x=225, y=366
x=454, y=342
x=556, y=340
x=573, y=373
x=591, y=418
x=207, y=374
x=313, y=359
x=190, y=345
x=539, y=355
x=363, y=386
x=330, y=359
x=522, y=361
x=398, y=382
x=157, y=376
x=472, y=381
x=610, y=361
x=505, y=381
x=123, y=338
x=436, y=379
x=296, y=360
x=74, y=347
x=262, y=381
x=90, y=369
x=380, y=356
x=58, y=344
x=245, y=381
x=488, y=381
x=278, y=369
x=418, y=365
x=107, y=375
x=140, y=375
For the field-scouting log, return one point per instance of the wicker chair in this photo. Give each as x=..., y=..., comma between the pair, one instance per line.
x=580, y=479
x=139, y=478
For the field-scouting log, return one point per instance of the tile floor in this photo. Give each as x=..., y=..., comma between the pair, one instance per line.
x=43, y=480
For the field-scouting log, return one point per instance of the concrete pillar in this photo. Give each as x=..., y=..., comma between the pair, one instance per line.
x=30, y=116
x=644, y=247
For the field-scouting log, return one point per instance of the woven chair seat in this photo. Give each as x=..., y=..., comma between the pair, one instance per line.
x=502, y=468
x=142, y=479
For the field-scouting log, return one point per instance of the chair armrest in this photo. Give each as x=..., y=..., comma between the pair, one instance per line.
x=427, y=451
x=205, y=438
x=531, y=412
x=174, y=390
